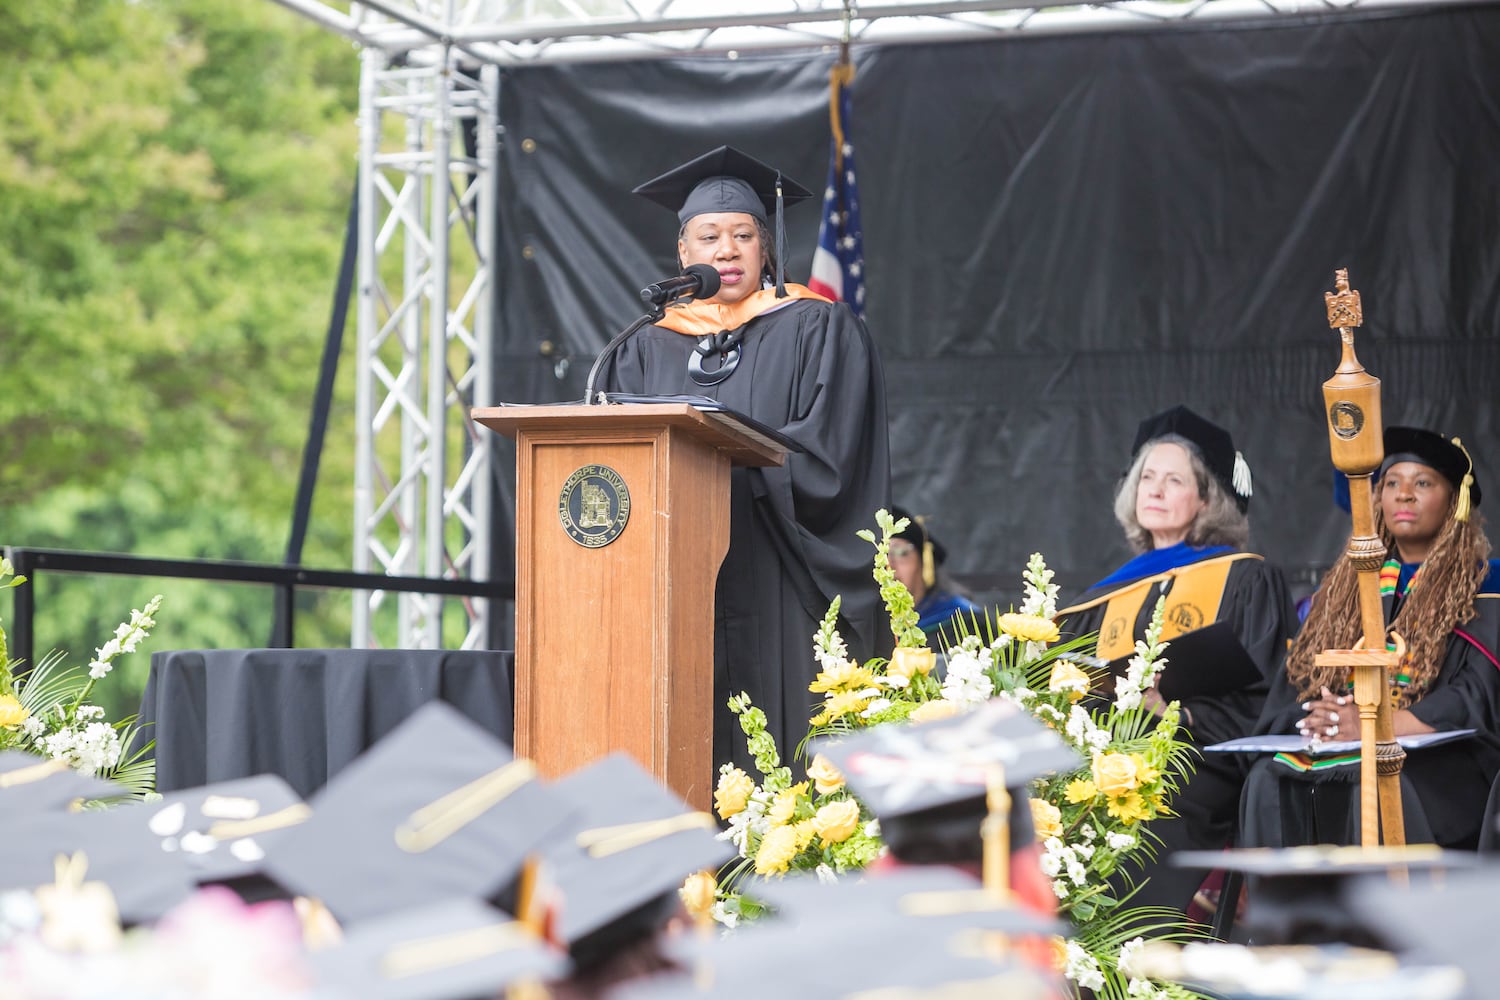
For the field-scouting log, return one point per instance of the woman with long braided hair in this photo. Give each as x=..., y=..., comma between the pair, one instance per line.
x=1441, y=594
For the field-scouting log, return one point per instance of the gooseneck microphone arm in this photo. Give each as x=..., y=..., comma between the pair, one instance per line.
x=655, y=314
x=698, y=281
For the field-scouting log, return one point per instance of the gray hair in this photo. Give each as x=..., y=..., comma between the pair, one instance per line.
x=1220, y=522
x=767, y=249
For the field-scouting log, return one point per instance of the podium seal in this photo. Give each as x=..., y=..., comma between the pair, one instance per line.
x=594, y=505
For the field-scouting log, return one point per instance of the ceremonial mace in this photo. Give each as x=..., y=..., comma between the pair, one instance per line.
x=1352, y=405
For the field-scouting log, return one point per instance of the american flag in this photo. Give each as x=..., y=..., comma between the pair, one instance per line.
x=838, y=267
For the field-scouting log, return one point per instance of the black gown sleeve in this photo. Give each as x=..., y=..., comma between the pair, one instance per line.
x=823, y=495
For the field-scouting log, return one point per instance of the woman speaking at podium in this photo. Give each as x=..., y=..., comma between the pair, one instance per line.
x=806, y=367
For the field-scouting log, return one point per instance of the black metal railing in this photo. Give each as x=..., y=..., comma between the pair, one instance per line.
x=284, y=580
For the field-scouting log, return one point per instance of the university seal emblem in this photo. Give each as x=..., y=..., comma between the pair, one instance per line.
x=1346, y=419
x=594, y=505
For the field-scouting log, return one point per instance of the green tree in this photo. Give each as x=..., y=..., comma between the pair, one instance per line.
x=174, y=181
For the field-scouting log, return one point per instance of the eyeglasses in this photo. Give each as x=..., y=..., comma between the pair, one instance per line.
x=902, y=550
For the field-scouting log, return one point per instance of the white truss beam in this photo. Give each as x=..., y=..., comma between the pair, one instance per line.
x=426, y=239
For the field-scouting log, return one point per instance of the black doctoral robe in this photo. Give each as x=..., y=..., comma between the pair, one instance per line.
x=1257, y=607
x=808, y=369
x=1443, y=787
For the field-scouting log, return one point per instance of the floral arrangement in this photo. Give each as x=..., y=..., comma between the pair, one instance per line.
x=1090, y=822
x=46, y=711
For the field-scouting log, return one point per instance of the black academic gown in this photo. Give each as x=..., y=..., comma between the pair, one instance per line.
x=810, y=370
x=1258, y=608
x=1443, y=788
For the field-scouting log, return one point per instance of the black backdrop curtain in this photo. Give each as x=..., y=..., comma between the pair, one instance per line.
x=1062, y=235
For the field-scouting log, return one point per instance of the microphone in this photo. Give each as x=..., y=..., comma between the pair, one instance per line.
x=699, y=281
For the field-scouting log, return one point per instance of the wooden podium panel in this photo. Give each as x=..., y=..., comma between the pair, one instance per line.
x=614, y=642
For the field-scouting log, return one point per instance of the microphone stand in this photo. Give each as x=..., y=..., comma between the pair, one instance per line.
x=658, y=310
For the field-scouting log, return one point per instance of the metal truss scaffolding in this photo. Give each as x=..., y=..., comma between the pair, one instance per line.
x=427, y=229
x=426, y=240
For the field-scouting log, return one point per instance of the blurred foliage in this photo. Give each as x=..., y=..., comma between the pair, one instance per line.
x=175, y=177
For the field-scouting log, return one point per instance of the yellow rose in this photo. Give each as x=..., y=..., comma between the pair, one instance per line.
x=837, y=821
x=1144, y=773
x=1028, y=627
x=931, y=711
x=826, y=778
x=784, y=806
x=1046, y=818
x=12, y=713
x=698, y=893
x=777, y=850
x=847, y=676
x=1069, y=679
x=733, y=793
x=1115, y=774
x=908, y=661
x=1079, y=790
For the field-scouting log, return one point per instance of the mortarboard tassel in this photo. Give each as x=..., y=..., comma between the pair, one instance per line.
x=929, y=565
x=1461, y=507
x=780, y=242
x=1241, y=477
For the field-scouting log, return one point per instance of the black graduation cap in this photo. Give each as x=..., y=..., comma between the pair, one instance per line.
x=1447, y=456
x=113, y=846
x=1446, y=920
x=928, y=782
x=29, y=784
x=915, y=933
x=727, y=180
x=456, y=948
x=224, y=830
x=437, y=808
x=1214, y=444
x=917, y=894
x=1300, y=895
x=932, y=550
x=623, y=854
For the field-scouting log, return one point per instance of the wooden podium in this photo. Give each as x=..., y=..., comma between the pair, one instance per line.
x=622, y=520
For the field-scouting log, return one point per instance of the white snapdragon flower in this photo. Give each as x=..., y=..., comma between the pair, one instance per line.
x=1129, y=951
x=1083, y=968
x=33, y=726
x=826, y=875
x=1119, y=841
x=726, y=912
x=1041, y=593
x=875, y=707
x=1086, y=831
x=1146, y=990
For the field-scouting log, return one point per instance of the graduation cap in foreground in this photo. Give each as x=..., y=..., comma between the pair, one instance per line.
x=437, y=808
x=1299, y=895
x=1449, y=921
x=928, y=782
x=728, y=180
x=224, y=830
x=114, y=847
x=450, y=950
x=1213, y=443
x=925, y=932
x=927, y=894
x=29, y=784
x=623, y=854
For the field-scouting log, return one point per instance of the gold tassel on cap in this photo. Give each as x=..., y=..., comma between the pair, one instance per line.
x=1461, y=508
x=929, y=565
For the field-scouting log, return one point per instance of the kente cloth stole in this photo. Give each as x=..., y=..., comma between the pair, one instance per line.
x=1193, y=602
